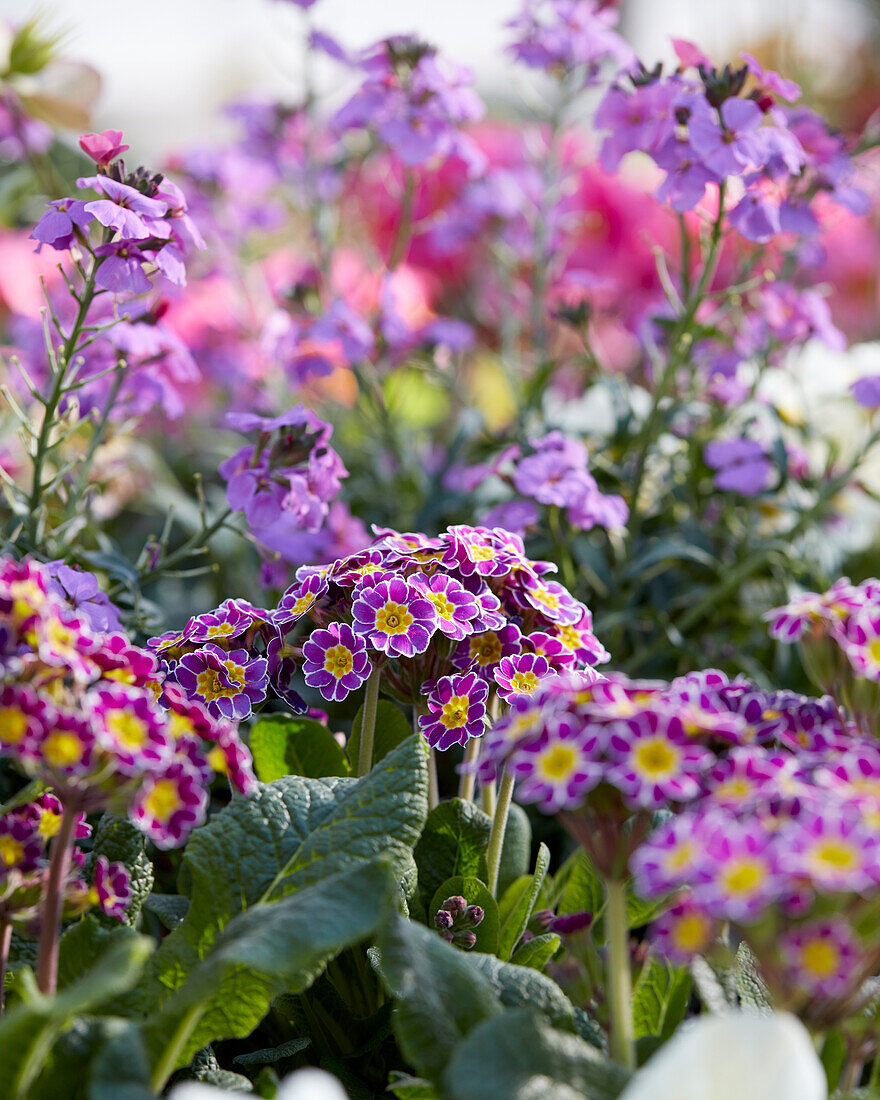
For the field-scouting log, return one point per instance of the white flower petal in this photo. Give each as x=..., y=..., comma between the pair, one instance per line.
x=734, y=1056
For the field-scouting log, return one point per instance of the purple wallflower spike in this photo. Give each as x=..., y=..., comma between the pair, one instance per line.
x=559, y=768
x=335, y=661
x=170, y=805
x=112, y=887
x=58, y=226
x=103, y=147
x=520, y=675
x=123, y=208
x=822, y=956
x=654, y=761
x=456, y=608
x=122, y=269
x=728, y=148
x=457, y=706
x=756, y=217
x=742, y=465
x=395, y=617
x=130, y=728
x=228, y=683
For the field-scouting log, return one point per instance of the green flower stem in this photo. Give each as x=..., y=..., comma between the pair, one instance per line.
x=433, y=782
x=53, y=902
x=170, y=1055
x=499, y=826
x=368, y=726
x=468, y=780
x=619, y=974
x=5, y=943
x=488, y=798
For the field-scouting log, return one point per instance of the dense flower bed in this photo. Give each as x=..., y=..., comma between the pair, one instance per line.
x=422, y=668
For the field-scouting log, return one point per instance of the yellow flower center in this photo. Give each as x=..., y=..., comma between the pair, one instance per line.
x=744, y=876
x=62, y=749
x=681, y=856
x=162, y=800
x=11, y=850
x=820, y=958
x=836, y=854
x=656, y=758
x=220, y=630
x=339, y=661
x=179, y=726
x=557, y=763
x=303, y=604
x=217, y=760
x=481, y=553
x=394, y=618
x=455, y=712
x=49, y=825
x=874, y=650
x=445, y=608
x=524, y=682
x=127, y=729
x=486, y=649
x=26, y=598
x=546, y=597
x=690, y=933
x=569, y=637
x=13, y=725
x=734, y=790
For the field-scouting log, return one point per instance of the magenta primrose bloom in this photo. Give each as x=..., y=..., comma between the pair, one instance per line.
x=484, y=651
x=131, y=728
x=521, y=674
x=559, y=768
x=395, y=616
x=228, y=683
x=739, y=873
x=456, y=608
x=112, y=889
x=682, y=932
x=170, y=805
x=457, y=706
x=653, y=760
x=822, y=956
x=335, y=661
x=834, y=850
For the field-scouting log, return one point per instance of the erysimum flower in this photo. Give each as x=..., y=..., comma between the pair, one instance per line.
x=335, y=661
x=457, y=706
x=395, y=616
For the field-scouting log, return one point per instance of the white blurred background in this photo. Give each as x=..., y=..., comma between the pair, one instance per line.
x=168, y=65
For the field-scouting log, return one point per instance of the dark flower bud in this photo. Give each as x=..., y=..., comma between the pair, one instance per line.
x=466, y=940
x=443, y=920
x=455, y=905
x=471, y=917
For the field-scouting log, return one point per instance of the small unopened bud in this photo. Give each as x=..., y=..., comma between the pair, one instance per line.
x=455, y=905
x=466, y=940
x=443, y=920
x=471, y=917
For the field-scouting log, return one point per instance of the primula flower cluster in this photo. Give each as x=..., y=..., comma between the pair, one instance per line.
x=88, y=713
x=448, y=618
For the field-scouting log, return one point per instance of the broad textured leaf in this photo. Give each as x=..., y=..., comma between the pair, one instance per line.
x=120, y=1070
x=536, y=952
x=519, y=1056
x=272, y=948
x=753, y=993
x=516, y=922
x=577, y=887
x=29, y=1030
x=289, y=834
x=269, y=1055
x=660, y=998
x=454, y=842
x=169, y=908
x=474, y=892
x=392, y=729
x=83, y=942
x=440, y=994
x=284, y=745
x=521, y=987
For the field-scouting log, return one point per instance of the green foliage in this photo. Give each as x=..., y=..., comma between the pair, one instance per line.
x=508, y=1057
x=660, y=999
x=454, y=842
x=523, y=987
x=516, y=851
x=286, y=745
x=515, y=921
x=537, y=951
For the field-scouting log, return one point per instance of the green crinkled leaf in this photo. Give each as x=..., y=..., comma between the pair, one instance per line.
x=474, y=892
x=753, y=993
x=640, y=911
x=577, y=887
x=392, y=729
x=516, y=852
x=523, y=987
x=169, y=908
x=660, y=998
x=269, y=1055
x=118, y=840
x=83, y=942
x=120, y=1070
x=285, y=745
x=536, y=952
x=286, y=835
x=516, y=921
x=271, y=948
x=520, y=1056
x=30, y=1029
x=454, y=842
x=440, y=994
x=406, y=1087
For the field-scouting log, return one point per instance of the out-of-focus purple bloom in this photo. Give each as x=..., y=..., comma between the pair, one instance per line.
x=122, y=269
x=58, y=226
x=80, y=590
x=741, y=464
x=564, y=36
x=732, y=145
x=866, y=391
